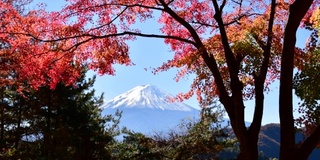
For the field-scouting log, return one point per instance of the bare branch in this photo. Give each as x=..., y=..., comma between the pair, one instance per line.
x=119, y=4
x=310, y=143
x=92, y=37
x=223, y=4
x=235, y=20
x=260, y=79
x=203, y=24
x=170, y=2
x=114, y=19
x=137, y=5
x=238, y=3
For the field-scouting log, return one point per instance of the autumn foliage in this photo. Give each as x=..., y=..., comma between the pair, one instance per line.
x=43, y=49
x=235, y=48
x=54, y=46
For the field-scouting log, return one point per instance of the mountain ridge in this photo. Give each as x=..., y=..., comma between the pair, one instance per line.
x=146, y=96
x=269, y=141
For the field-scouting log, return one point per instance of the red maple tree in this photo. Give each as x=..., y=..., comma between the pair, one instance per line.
x=236, y=48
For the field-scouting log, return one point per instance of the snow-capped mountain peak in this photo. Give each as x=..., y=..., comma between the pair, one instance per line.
x=146, y=96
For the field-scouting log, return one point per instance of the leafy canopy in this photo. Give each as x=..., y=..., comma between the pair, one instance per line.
x=54, y=46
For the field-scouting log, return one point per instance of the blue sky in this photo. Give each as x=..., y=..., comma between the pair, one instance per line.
x=150, y=53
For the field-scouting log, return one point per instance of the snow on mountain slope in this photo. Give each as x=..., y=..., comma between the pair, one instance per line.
x=146, y=96
x=145, y=109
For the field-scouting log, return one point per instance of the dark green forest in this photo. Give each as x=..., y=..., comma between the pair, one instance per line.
x=64, y=123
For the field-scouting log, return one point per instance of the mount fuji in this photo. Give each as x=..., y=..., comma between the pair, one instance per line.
x=146, y=109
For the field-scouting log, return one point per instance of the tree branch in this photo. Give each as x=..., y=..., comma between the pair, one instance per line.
x=120, y=4
x=235, y=20
x=138, y=5
x=114, y=19
x=91, y=37
x=260, y=79
x=222, y=5
x=209, y=60
x=310, y=143
x=236, y=85
x=227, y=49
x=193, y=33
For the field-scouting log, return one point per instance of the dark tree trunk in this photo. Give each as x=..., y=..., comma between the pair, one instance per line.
x=2, y=126
x=288, y=148
x=234, y=105
x=18, y=131
x=2, y=109
x=309, y=144
x=249, y=150
x=47, y=136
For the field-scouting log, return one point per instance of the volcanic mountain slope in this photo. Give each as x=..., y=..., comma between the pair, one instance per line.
x=146, y=109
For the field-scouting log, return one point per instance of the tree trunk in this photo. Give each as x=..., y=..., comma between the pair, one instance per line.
x=18, y=131
x=288, y=148
x=47, y=136
x=2, y=126
x=248, y=150
x=248, y=138
x=2, y=116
